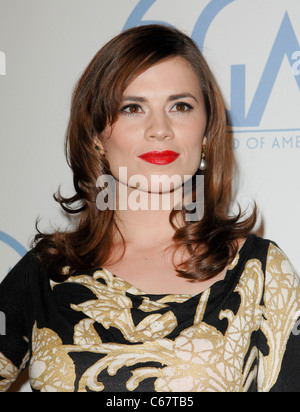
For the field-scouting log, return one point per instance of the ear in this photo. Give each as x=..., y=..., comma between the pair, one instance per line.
x=204, y=141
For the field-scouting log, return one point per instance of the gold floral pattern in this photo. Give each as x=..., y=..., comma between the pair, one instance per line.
x=282, y=298
x=153, y=345
x=113, y=308
x=200, y=359
x=9, y=372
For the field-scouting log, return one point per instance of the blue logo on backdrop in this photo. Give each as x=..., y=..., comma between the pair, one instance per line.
x=13, y=244
x=286, y=44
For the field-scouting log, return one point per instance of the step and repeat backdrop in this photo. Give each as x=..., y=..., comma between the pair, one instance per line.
x=253, y=48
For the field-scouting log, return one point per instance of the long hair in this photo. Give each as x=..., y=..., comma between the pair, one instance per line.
x=211, y=242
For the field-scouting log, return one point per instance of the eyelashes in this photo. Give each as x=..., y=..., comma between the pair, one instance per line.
x=134, y=109
x=131, y=109
x=183, y=107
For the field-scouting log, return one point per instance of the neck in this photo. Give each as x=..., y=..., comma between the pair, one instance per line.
x=143, y=218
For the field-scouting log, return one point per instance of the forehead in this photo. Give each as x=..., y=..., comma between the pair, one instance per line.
x=174, y=75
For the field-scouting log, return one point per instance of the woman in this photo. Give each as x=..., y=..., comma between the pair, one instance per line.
x=139, y=295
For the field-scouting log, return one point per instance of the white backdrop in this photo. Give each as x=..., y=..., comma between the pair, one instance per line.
x=253, y=47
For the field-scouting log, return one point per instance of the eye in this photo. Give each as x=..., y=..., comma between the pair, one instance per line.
x=182, y=107
x=131, y=109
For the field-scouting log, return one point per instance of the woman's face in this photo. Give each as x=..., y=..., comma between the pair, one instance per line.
x=162, y=110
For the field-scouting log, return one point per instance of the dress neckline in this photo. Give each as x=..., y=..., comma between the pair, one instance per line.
x=237, y=262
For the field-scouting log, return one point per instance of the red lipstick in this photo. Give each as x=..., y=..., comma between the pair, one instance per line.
x=162, y=157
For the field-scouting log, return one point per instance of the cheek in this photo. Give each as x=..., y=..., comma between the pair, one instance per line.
x=117, y=146
x=119, y=138
x=193, y=150
x=193, y=140
x=113, y=144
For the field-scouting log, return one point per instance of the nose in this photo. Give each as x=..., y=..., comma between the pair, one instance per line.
x=159, y=127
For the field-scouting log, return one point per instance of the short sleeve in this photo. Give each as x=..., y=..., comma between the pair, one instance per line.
x=14, y=333
x=279, y=349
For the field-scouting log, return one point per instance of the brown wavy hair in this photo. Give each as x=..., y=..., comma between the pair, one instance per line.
x=212, y=242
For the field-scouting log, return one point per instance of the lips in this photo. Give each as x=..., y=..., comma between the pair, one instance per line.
x=160, y=157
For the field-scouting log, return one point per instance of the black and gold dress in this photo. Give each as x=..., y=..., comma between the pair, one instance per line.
x=96, y=332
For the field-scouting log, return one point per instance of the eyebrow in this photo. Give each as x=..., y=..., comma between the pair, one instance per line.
x=138, y=99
